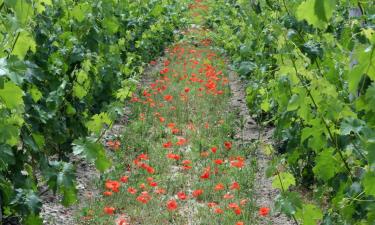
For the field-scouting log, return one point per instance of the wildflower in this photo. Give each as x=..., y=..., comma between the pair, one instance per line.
x=218, y=211
x=228, y=196
x=219, y=187
x=218, y=161
x=164, y=71
x=153, y=184
x=213, y=149
x=263, y=211
x=167, y=145
x=237, y=210
x=172, y=205
x=181, y=195
x=197, y=193
x=132, y=190
x=173, y=156
x=160, y=191
x=181, y=141
x=109, y=210
x=168, y=98
x=144, y=197
x=124, y=179
x=107, y=193
x=187, y=90
x=112, y=185
x=240, y=223
x=235, y=186
x=237, y=163
x=171, y=125
x=228, y=145
x=206, y=174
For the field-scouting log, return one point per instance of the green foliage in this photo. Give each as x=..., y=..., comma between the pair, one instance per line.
x=312, y=76
x=65, y=69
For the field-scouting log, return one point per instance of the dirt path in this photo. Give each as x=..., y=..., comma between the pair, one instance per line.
x=265, y=194
x=187, y=154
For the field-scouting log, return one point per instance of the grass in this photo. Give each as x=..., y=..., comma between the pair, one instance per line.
x=169, y=145
x=203, y=118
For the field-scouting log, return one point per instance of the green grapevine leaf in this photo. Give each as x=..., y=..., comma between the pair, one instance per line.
x=9, y=134
x=309, y=214
x=288, y=202
x=25, y=42
x=36, y=95
x=111, y=24
x=316, y=12
x=97, y=122
x=12, y=96
x=326, y=166
x=93, y=152
x=349, y=125
x=287, y=180
x=368, y=183
x=23, y=10
x=79, y=91
x=80, y=11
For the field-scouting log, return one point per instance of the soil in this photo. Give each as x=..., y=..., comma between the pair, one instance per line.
x=250, y=132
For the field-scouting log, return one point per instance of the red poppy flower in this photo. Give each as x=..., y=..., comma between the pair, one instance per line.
x=237, y=210
x=132, y=190
x=172, y=205
x=218, y=161
x=263, y=211
x=161, y=119
x=124, y=179
x=153, y=184
x=160, y=191
x=164, y=71
x=109, y=210
x=211, y=204
x=171, y=125
x=114, y=145
x=197, y=193
x=240, y=223
x=121, y=221
x=218, y=211
x=107, y=193
x=213, y=149
x=228, y=196
x=112, y=185
x=205, y=174
x=219, y=187
x=168, y=98
x=181, y=195
x=228, y=145
x=144, y=197
x=167, y=145
x=173, y=156
x=237, y=163
x=175, y=131
x=150, y=170
x=187, y=90
x=181, y=141
x=233, y=205
x=235, y=186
